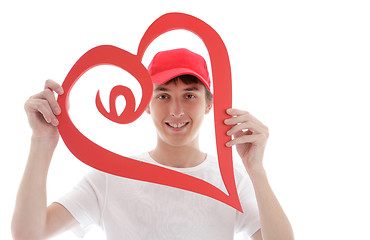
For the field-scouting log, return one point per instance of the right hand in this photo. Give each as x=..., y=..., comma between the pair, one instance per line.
x=41, y=110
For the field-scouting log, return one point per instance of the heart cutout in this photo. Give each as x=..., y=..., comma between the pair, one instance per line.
x=104, y=160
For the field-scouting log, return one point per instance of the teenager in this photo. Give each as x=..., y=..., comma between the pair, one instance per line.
x=131, y=209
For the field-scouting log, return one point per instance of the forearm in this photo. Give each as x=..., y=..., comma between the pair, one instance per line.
x=274, y=223
x=29, y=216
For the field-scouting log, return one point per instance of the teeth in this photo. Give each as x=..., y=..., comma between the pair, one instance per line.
x=178, y=125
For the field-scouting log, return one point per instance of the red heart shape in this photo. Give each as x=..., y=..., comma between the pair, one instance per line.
x=109, y=162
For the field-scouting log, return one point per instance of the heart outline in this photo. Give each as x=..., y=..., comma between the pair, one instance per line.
x=109, y=162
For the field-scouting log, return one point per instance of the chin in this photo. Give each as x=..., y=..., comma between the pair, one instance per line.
x=177, y=143
x=180, y=141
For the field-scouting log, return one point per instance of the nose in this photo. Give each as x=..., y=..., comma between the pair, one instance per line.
x=176, y=108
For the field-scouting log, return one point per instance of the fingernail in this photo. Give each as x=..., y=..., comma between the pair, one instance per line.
x=61, y=90
x=57, y=110
x=228, y=132
x=55, y=122
x=228, y=144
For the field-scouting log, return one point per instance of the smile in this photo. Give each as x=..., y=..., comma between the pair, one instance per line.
x=177, y=125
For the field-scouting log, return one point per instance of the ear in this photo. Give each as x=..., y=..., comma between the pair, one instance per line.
x=147, y=110
x=208, y=107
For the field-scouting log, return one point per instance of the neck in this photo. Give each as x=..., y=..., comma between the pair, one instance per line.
x=178, y=156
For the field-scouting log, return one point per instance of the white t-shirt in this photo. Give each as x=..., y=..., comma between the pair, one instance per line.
x=131, y=209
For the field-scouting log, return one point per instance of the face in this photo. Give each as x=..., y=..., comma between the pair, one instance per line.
x=177, y=110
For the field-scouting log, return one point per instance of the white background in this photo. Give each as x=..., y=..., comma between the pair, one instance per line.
x=301, y=67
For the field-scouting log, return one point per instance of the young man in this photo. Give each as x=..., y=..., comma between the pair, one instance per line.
x=132, y=209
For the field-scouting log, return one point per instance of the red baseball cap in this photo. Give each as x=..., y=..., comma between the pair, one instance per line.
x=169, y=64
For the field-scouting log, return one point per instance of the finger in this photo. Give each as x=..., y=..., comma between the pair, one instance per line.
x=246, y=116
x=234, y=111
x=53, y=86
x=239, y=134
x=251, y=126
x=48, y=95
x=243, y=139
x=238, y=119
x=237, y=112
x=42, y=106
x=35, y=105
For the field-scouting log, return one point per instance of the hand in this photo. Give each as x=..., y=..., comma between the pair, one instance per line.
x=41, y=110
x=249, y=136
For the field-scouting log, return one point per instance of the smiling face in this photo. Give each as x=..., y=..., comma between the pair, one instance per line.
x=177, y=110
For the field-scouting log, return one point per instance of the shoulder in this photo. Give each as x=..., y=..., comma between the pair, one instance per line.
x=242, y=180
x=239, y=171
x=94, y=179
x=241, y=176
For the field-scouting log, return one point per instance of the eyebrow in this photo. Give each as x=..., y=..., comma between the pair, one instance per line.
x=163, y=89
x=191, y=89
x=160, y=89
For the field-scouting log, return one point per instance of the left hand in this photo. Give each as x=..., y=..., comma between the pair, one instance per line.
x=249, y=136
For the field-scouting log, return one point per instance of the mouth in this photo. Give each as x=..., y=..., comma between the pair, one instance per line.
x=177, y=125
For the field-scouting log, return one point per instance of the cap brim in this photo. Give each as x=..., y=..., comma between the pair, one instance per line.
x=165, y=76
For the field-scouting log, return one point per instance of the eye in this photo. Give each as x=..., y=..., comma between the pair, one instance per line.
x=162, y=96
x=190, y=96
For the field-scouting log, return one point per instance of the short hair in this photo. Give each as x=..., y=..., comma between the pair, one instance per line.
x=189, y=79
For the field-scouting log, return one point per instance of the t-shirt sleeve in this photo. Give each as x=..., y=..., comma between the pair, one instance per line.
x=86, y=201
x=247, y=222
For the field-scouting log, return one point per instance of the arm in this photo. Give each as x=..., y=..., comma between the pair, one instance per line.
x=274, y=223
x=250, y=137
x=31, y=218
